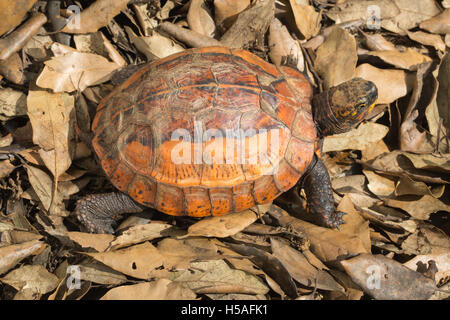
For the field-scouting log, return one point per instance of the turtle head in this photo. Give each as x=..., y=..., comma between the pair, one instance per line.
x=341, y=108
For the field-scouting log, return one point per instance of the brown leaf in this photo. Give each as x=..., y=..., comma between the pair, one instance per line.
x=199, y=18
x=439, y=23
x=99, y=242
x=12, y=13
x=427, y=239
x=13, y=103
x=223, y=226
x=379, y=185
x=141, y=233
x=75, y=71
x=392, y=84
x=97, y=15
x=99, y=273
x=51, y=116
x=226, y=11
x=428, y=39
x=387, y=279
x=355, y=225
x=408, y=59
x=300, y=269
x=442, y=261
x=306, y=18
x=34, y=277
x=160, y=289
x=327, y=244
x=270, y=265
x=407, y=186
x=356, y=139
x=11, y=255
x=282, y=45
x=339, y=46
x=419, y=209
x=377, y=42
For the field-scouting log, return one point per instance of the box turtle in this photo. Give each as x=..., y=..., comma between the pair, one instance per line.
x=216, y=130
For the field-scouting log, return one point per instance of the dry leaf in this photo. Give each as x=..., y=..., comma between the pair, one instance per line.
x=75, y=71
x=306, y=18
x=97, y=15
x=428, y=39
x=427, y=239
x=226, y=11
x=51, y=116
x=407, y=186
x=379, y=185
x=339, y=46
x=392, y=84
x=356, y=139
x=327, y=244
x=387, y=279
x=376, y=42
x=34, y=277
x=300, y=269
x=99, y=273
x=11, y=255
x=442, y=261
x=408, y=59
x=355, y=224
x=160, y=289
x=282, y=45
x=99, y=242
x=12, y=13
x=199, y=18
x=155, y=45
x=439, y=23
x=223, y=226
x=141, y=233
x=12, y=103
x=419, y=209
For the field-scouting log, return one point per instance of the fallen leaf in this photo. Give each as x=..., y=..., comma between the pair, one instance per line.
x=340, y=45
x=419, y=208
x=75, y=71
x=51, y=116
x=199, y=18
x=392, y=84
x=34, y=277
x=355, y=225
x=160, y=289
x=442, y=261
x=427, y=239
x=282, y=45
x=439, y=23
x=154, y=45
x=300, y=269
x=13, y=103
x=12, y=13
x=379, y=185
x=99, y=242
x=428, y=39
x=376, y=42
x=101, y=274
x=407, y=186
x=387, y=279
x=306, y=18
x=408, y=59
x=356, y=139
x=327, y=244
x=97, y=15
x=141, y=233
x=222, y=226
x=11, y=255
x=217, y=277
x=226, y=11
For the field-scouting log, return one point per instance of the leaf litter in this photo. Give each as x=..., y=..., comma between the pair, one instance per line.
x=390, y=175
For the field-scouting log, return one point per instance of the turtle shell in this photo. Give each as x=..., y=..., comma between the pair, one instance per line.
x=206, y=132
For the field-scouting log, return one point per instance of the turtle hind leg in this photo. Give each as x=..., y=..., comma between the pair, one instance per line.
x=319, y=195
x=99, y=212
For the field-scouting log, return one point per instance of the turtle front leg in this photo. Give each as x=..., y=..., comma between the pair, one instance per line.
x=100, y=212
x=319, y=195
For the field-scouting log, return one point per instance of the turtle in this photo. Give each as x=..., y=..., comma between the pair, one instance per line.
x=214, y=130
